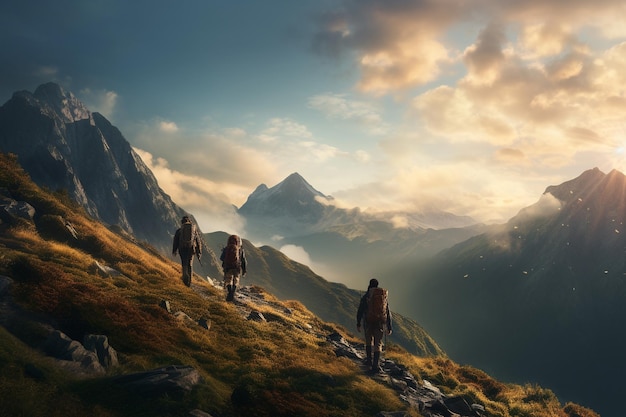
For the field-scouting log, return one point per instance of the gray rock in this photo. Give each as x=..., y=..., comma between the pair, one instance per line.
x=64, y=348
x=170, y=379
x=17, y=208
x=164, y=304
x=5, y=283
x=198, y=413
x=107, y=356
x=256, y=316
x=203, y=322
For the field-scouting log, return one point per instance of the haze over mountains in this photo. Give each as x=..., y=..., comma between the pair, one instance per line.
x=537, y=299
x=93, y=324
x=541, y=297
x=347, y=245
x=63, y=146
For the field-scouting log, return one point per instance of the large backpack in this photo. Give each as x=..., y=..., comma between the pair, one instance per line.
x=232, y=258
x=186, y=237
x=376, y=306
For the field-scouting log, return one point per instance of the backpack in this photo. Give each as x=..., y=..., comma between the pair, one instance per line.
x=186, y=237
x=232, y=259
x=376, y=306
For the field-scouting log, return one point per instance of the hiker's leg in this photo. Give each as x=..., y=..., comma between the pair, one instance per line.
x=235, y=283
x=369, y=338
x=368, y=353
x=375, y=366
x=184, y=263
x=377, y=334
x=228, y=282
x=189, y=270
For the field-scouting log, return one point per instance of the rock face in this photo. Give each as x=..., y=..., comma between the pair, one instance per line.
x=170, y=379
x=92, y=357
x=548, y=286
x=63, y=146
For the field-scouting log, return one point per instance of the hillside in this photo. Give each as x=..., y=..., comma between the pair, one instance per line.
x=66, y=274
x=332, y=302
x=542, y=297
x=64, y=146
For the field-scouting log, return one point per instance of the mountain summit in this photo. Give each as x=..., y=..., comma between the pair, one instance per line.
x=293, y=197
x=542, y=297
x=63, y=146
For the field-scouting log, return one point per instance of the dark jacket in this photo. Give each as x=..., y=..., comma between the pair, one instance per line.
x=360, y=314
x=197, y=243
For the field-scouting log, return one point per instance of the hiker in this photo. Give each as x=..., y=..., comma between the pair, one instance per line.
x=187, y=242
x=374, y=312
x=233, y=260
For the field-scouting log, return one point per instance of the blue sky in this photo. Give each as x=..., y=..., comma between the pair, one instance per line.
x=472, y=107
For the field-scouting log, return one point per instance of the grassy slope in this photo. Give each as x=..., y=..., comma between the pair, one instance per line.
x=285, y=368
x=333, y=302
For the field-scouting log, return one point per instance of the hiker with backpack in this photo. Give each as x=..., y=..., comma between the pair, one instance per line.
x=234, y=263
x=374, y=312
x=188, y=243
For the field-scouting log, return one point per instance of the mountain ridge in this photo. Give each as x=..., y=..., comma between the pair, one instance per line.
x=555, y=274
x=185, y=351
x=64, y=146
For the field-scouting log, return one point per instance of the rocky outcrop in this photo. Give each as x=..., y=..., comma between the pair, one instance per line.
x=64, y=146
x=422, y=396
x=91, y=358
x=169, y=379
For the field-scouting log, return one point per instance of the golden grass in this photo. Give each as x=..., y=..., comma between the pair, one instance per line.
x=500, y=399
x=281, y=367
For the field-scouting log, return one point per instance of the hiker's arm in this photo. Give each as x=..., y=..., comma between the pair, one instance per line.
x=198, y=246
x=359, y=313
x=389, y=321
x=244, y=263
x=175, y=242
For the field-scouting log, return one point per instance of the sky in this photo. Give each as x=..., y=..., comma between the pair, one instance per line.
x=471, y=107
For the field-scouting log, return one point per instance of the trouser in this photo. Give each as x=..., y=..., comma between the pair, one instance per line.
x=231, y=277
x=231, y=281
x=374, y=337
x=186, y=261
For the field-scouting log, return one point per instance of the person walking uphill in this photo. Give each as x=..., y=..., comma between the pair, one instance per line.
x=187, y=243
x=374, y=312
x=234, y=263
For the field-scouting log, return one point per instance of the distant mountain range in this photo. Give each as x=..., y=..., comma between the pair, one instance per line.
x=64, y=146
x=352, y=246
x=92, y=324
x=540, y=298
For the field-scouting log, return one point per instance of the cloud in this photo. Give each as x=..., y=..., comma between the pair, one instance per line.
x=200, y=196
x=101, y=101
x=298, y=254
x=511, y=99
x=225, y=156
x=168, y=127
x=397, y=45
x=339, y=107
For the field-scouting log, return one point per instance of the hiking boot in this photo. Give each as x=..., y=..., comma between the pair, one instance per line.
x=376, y=369
x=229, y=296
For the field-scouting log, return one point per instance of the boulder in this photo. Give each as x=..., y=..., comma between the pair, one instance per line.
x=107, y=356
x=64, y=348
x=171, y=379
